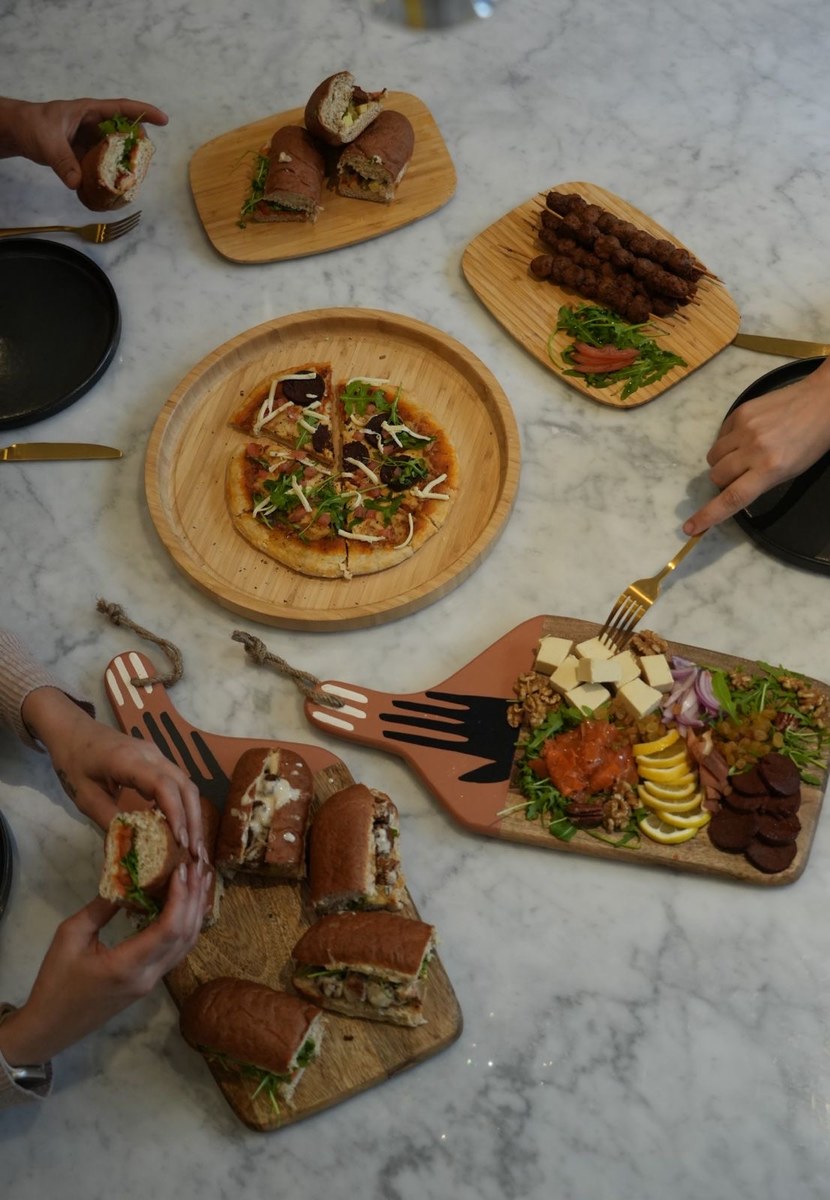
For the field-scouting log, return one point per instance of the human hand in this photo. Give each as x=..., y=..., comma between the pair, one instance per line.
x=57, y=133
x=82, y=983
x=93, y=762
x=764, y=442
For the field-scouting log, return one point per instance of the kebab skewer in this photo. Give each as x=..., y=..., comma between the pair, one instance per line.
x=555, y=236
x=660, y=250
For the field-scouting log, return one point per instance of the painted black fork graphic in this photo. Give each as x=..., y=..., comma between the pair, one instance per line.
x=475, y=725
x=170, y=741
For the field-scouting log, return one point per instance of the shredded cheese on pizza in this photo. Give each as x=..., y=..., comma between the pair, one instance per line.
x=366, y=470
x=426, y=493
x=300, y=494
x=394, y=430
x=265, y=409
x=359, y=537
x=408, y=537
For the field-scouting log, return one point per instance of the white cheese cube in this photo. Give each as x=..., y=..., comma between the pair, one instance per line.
x=594, y=648
x=640, y=699
x=588, y=695
x=593, y=670
x=564, y=677
x=629, y=667
x=657, y=672
x=552, y=653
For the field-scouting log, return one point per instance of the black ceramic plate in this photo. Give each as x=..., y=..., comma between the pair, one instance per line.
x=5, y=863
x=59, y=328
x=791, y=520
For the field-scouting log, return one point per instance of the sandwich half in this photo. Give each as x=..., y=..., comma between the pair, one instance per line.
x=353, y=852
x=372, y=965
x=263, y=826
x=114, y=168
x=293, y=183
x=338, y=110
x=252, y=1030
x=374, y=164
x=140, y=855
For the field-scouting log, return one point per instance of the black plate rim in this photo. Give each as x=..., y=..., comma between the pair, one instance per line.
x=5, y=863
x=778, y=377
x=44, y=248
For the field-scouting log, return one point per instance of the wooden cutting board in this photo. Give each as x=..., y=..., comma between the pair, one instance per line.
x=220, y=175
x=260, y=922
x=455, y=736
x=191, y=444
x=496, y=265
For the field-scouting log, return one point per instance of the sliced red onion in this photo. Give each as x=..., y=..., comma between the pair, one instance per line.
x=705, y=693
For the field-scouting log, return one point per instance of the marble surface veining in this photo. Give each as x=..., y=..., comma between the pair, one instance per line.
x=628, y=1033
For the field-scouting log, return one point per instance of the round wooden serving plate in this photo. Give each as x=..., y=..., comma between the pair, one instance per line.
x=192, y=441
x=220, y=178
x=496, y=264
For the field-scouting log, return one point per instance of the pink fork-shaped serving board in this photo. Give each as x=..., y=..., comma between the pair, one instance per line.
x=456, y=737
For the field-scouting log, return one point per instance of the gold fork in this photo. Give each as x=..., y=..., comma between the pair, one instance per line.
x=106, y=231
x=636, y=600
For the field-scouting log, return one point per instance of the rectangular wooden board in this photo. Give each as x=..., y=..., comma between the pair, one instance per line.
x=220, y=175
x=260, y=923
x=496, y=265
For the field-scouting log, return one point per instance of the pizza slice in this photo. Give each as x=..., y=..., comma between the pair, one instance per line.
x=289, y=507
x=392, y=443
x=293, y=407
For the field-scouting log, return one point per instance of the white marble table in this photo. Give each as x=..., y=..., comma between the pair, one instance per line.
x=628, y=1033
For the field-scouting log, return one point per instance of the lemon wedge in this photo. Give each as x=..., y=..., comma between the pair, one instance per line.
x=689, y=804
x=676, y=774
x=659, y=831
x=657, y=745
x=690, y=820
x=664, y=761
x=672, y=792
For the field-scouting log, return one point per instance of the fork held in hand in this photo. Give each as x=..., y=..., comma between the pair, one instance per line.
x=636, y=600
x=105, y=231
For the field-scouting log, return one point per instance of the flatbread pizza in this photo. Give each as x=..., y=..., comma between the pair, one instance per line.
x=340, y=482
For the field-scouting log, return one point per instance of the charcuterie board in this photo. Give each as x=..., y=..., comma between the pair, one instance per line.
x=496, y=266
x=220, y=173
x=259, y=923
x=456, y=737
x=192, y=441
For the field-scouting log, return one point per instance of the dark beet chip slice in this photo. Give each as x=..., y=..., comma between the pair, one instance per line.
x=780, y=806
x=732, y=831
x=778, y=831
x=303, y=391
x=358, y=450
x=321, y=439
x=770, y=859
x=779, y=773
x=748, y=783
x=740, y=803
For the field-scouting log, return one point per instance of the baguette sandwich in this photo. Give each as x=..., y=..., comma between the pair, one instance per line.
x=353, y=859
x=292, y=182
x=114, y=168
x=251, y=1030
x=368, y=964
x=372, y=166
x=263, y=827
x=338, y=110
x=140, y=855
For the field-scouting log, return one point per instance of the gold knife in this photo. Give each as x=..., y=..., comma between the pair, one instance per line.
x=52, y=451
x=786, y=347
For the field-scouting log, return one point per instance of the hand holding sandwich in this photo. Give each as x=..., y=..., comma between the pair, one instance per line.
x=94, y=762
x=82, y=983
x=57, y=133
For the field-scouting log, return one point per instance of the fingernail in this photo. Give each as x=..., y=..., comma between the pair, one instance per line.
x=200, y=868
x=183, y=872
x=202, y=852
x=184, y=840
